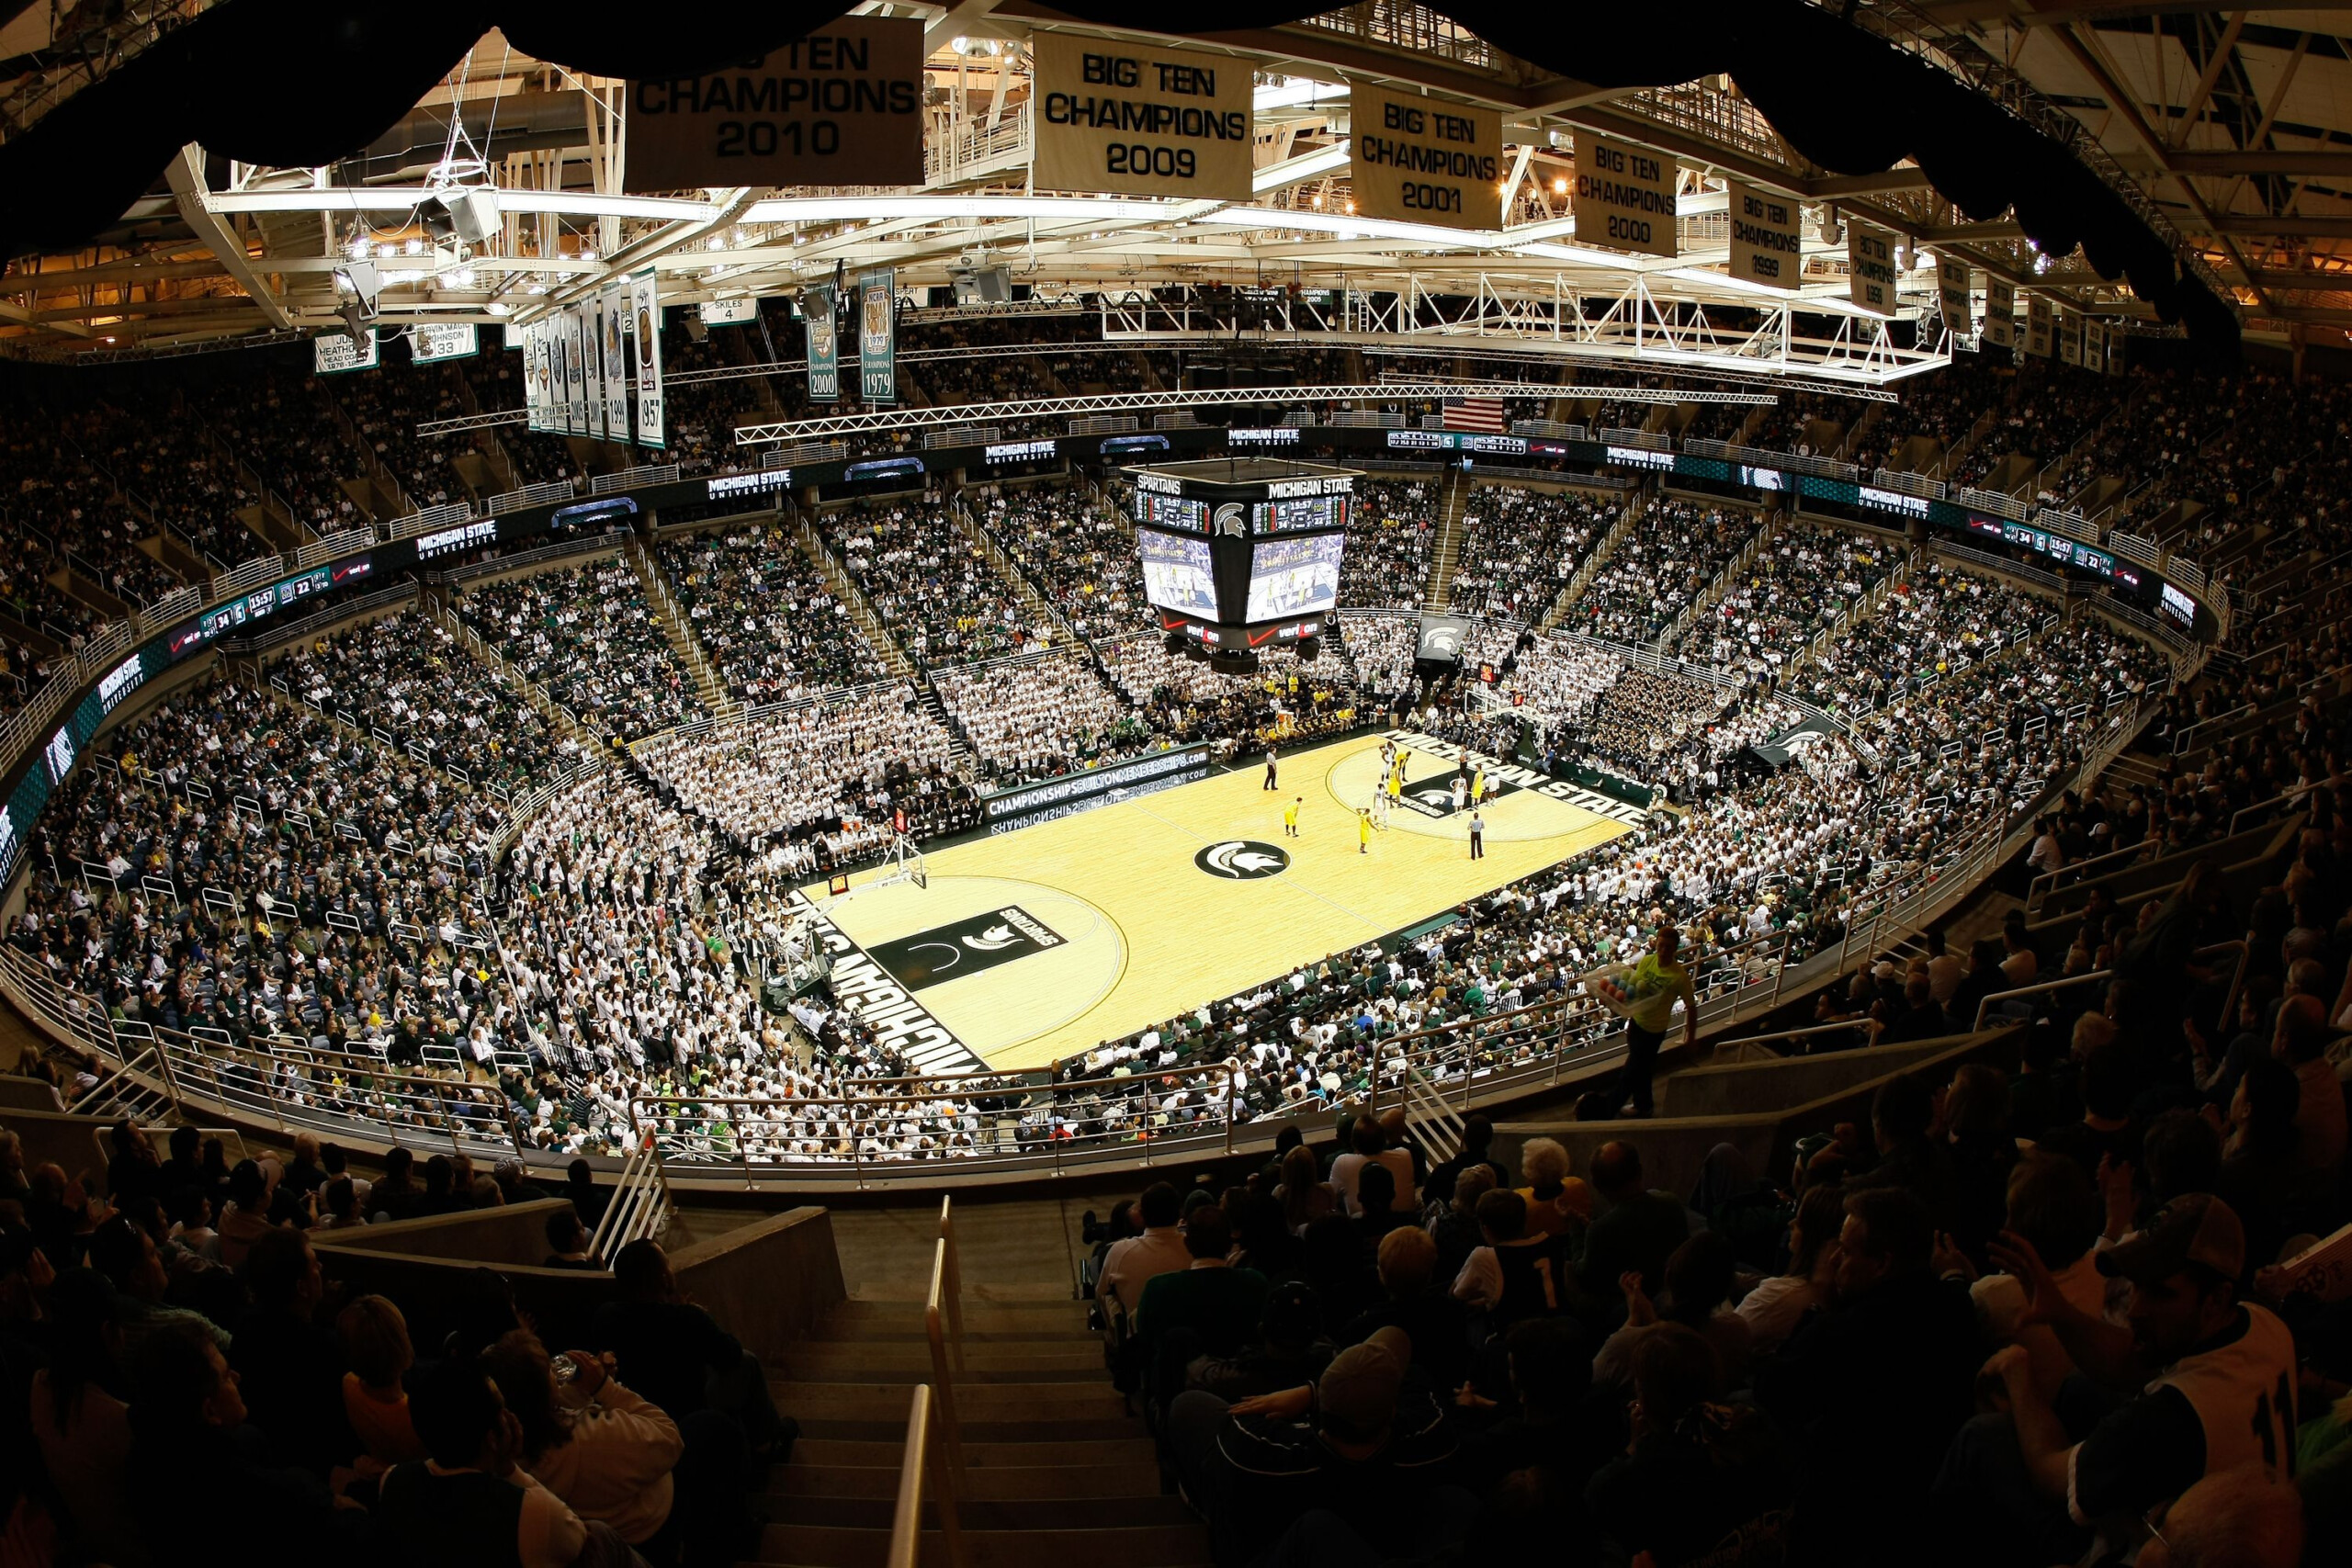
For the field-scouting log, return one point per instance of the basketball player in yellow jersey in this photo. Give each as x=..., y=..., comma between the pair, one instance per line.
x=1478, y=785
x=1290, y=818
x=1363, y=831
x=1396, y=784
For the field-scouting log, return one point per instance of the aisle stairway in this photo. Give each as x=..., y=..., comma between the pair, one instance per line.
x=672, y=618
x=1054, y=1469
x=1447, y=555
x=844, y=588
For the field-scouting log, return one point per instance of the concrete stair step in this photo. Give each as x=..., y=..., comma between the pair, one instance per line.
x=992, y=1355
x=818, y=1452
x=1017, y=1293
x=991, y=1427
x=998, y=1402
x=1140, y=1546
x=1135, y=1478
x=904, y=1373
x=1068, y=1512
x=909, y=1329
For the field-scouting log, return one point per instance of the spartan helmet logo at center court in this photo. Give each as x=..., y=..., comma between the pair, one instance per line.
x=1242, y=860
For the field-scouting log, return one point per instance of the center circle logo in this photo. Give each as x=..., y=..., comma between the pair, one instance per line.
x=1242, y=860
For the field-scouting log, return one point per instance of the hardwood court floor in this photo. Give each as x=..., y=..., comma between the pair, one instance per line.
x=1120, y=926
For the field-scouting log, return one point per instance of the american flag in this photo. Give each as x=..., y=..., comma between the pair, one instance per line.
x=1482, y=414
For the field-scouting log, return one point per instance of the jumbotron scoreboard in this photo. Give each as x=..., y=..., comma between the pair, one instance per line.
x=1242, y=552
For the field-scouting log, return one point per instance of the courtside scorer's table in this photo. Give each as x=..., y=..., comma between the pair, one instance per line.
x=1037, y=943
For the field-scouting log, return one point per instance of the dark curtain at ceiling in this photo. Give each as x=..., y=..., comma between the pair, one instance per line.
x=290, y=83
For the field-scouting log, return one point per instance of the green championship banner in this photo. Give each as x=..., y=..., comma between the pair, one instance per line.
x=822, y=311
x=878, y=337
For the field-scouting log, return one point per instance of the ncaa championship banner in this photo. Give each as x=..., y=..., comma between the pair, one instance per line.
x=878, y=337
x=645, y=322
x=1624, y=198
x=2000, y=310
x=1869, y=266
x=820, y=313
x=1137, y=120
x=1765, y=244
x=618, y=372
x=1419, y=160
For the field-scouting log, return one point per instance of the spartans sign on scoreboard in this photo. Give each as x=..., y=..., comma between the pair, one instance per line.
x=841, y=107
x=1416, y=161
x=1137, y=120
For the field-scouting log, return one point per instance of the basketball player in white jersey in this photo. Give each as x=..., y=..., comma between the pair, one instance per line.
x=2210, y=1382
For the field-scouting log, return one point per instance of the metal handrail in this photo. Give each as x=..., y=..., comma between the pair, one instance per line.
x=1861, y=1024
x=923, y=1448
x=954, y=1279
x=2048, y=882
x=2039, y=989
x=935, y=1331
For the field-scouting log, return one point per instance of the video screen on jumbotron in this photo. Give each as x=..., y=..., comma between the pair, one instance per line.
x=1294, y=577
x=1176, y=573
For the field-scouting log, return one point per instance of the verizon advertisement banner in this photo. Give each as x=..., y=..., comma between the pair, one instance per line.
x=1870, y=265
x=1764, y=240
x=1624, y=198
x=1419, y=160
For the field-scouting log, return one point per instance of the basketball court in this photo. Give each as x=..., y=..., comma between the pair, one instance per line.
x=1047, y=941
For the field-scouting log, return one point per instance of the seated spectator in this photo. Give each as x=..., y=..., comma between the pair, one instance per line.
x=128, y=1257
x=1699, y=1477
x=1411, y=1300
x=608, y=1459
x=375, y=1401
x=1209, y=1299
x=290, y=1367
x=671, y=1351
x=568, y=1243
x=1367, y=1144
x=1635, y=1228
x=1774, y=1307
x=82, y=1421
x=471, y=1494
x=340, y=1202
x=1698, y=1295
x=2053, y=1206
x=1513, y=1275
x=1454, y=1228
x=1477, y=1148
x=1289, y=1348
x=1375, y=1192
x=1557, y=1202
x=1134, y=1262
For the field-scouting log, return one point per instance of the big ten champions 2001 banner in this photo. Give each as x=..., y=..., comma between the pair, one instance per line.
x=1133, y=119
x=1624, y=198
x=878, y=337
x=1421, y=161
x=1765, y=247
x=843, y=107
x=820, y=308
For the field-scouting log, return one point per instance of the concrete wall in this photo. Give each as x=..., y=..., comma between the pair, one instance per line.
x=1753, y=1088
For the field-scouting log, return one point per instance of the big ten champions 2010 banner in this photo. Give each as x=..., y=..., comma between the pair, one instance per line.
x=1419, y=160
x=878, y=337
x=1765, y=246
x=843, y=107
x=1870, y=267
x=1136, y=119
x=1624, y=198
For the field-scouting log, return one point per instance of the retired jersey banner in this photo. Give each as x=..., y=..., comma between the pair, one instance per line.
x=841, y=107
x=2037, y=326
x=332, y=353
x=1623, y=197
x=2000, y=310
x=878, y=337
x=645, y=320
x=821, y=312
x=728, y=312
x=1952, y=298
x=1137, y=120
x=620, y=375
x=430, y=342
x=1765, y=245
x=1869, y=266
x=1418, y=160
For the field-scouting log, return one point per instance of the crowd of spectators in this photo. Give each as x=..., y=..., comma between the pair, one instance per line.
x=1940, y=620
x=405, y=674
x=764, y=613
x=1183, y=700
x=538, y=458
x=1039, y=718
x=2049, y=407
x=1663, y=563
x=1392, y=527
x=1801, y=581
x=387, y=404
x=588, y=637
x=928, y=581
x=1081, y=556
x=1520, y=548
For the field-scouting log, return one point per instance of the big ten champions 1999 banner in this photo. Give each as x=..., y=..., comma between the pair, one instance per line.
x=1133, y=119
x=1624, y=198
x=878, y=337
x=843, y=107
x=1869, y=266
x=1423, y=161
x=1765, y=245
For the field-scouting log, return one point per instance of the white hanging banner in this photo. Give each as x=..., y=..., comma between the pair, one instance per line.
x=2000, y=310
x=1623, y=197
x=430, y=342
x=332, y=353
x=1423, y=161
x=728, y=312
x=1870, y=265
x=575, y=371
x=620, y=373
x=2037, y=326
x=1952, y=298
x=2094, y=347
x=1765, y=242
x=2070, y=337
x=645, y=312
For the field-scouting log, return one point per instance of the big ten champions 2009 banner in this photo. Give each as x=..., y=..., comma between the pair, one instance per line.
x=821, y=308
x=1137, y=120
x=1765, y=247
x=1624, y=198
x=1420, y=161
x=843, y=107
x=878, y=337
